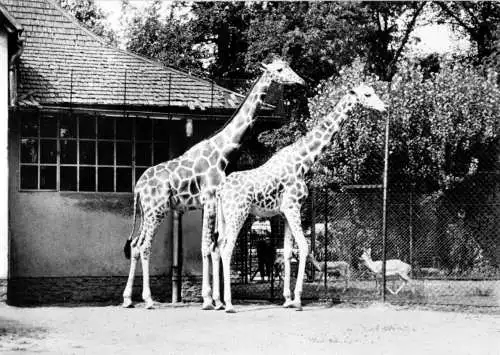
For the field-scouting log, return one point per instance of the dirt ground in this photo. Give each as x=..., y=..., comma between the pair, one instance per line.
x=254, y=329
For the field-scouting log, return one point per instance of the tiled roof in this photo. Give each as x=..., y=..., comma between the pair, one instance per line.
x=61, y=56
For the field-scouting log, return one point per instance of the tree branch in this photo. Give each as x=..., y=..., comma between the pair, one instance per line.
x=458, y=20
x=409, y=29
x=473, y=17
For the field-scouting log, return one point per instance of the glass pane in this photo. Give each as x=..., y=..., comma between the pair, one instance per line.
x=87, y=179
x=161, y=130
x=68, y=152
x=161, y=152
x=106, y=153
x=48, y=177
x=29, y=150
x=123, y=153
x=29, y=177
x=124, y=128
x=29, y=125
x=143, y=129
x=87, y=152
x=67, y=127
x=143, y=154
x=123, y=179
x=138, y=173
x=48, y=151
x=68, y=178
x=87, y=127
x=48, y=126
x=105, y=179
x=105, y=128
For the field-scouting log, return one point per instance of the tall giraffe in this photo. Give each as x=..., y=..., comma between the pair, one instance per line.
x=278, y=187
x=189, y=182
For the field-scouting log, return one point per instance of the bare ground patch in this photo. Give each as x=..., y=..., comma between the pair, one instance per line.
x=257, y=328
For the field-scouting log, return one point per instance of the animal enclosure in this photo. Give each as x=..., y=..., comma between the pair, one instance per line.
x=449, y=240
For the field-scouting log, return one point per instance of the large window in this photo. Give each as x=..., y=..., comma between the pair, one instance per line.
x=62, y=152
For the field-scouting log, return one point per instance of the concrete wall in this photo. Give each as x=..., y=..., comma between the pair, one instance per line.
x=4, y=164
x=70, y=236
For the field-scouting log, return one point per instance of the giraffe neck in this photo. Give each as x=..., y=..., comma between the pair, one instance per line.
x=309, y=147
x=230, y=136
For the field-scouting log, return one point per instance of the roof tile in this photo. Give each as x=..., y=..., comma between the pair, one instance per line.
x=59, y=54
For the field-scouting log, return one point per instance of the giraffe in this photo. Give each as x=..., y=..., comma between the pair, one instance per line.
x=189, y=182
x=278, y=187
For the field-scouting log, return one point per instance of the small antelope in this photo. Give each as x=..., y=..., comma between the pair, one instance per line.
x=340, y=268
x=394, y=268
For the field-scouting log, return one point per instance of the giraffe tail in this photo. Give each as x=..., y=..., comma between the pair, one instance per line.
x=127, y=249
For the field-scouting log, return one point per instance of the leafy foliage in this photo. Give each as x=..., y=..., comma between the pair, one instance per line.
x=90, y=15
x=169, y=39
x=478, y=19
x=440, y=127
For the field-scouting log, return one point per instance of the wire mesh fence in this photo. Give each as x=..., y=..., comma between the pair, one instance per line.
x=440, y=248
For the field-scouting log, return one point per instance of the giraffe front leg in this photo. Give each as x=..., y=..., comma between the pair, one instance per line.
x=216, y=279
x=206, y=291
x=127, y=293
x=287, y=255
x=293, y=218
x=145, y=250
x=206, y=241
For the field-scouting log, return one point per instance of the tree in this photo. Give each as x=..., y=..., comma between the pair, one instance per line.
x=387, y=40
x=91, y=16
x=444, y=142
x=222, y=27
x=169, y=40
x=479, y=20
x=321, y=37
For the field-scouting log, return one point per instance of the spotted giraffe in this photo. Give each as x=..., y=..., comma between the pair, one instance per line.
x=278, y=187
x=189, y=182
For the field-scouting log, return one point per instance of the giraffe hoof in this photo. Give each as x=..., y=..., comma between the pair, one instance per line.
x=127, y=303
x=230, y=310
x=288, y=304
x=219, y=305
x=207, y=307
x=149, y=304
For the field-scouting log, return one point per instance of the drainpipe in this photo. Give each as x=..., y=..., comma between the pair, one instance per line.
x=13, y=58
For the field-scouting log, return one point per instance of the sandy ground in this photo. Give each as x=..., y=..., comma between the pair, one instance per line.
x=254, y=329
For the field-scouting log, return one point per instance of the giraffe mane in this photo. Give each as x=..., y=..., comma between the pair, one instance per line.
x=235, y=112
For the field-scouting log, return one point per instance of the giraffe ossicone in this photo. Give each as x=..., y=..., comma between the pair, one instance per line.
x=278, y=187
x=189, y=182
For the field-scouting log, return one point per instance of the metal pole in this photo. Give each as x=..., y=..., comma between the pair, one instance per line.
x=272, y=265
x=177, y=257
x=411, y=230
x=313, y=228
x=326, y=232
x=384, y=205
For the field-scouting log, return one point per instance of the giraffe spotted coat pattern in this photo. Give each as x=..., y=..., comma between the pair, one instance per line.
x=278, y=187
x=190, y=181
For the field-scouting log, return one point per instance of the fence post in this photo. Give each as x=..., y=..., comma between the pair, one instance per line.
x=411, y=229
x=326, y=239
x=384, y=204
x=272, y=265
x=313, y=228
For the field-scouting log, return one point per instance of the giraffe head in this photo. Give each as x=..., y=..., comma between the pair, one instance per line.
x=281, y=73
x=366, y=96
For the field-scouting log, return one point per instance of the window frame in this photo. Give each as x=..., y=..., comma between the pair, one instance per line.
x=136, y=170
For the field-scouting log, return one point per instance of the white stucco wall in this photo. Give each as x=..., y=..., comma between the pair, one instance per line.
x=4, y=163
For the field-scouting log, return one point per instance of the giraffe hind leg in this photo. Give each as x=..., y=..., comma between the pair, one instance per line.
x=127, y=293
x=147, y=236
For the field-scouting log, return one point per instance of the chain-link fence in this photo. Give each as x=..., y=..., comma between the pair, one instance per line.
x=440, y=248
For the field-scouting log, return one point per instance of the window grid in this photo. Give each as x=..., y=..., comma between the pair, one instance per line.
x=133, y=166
